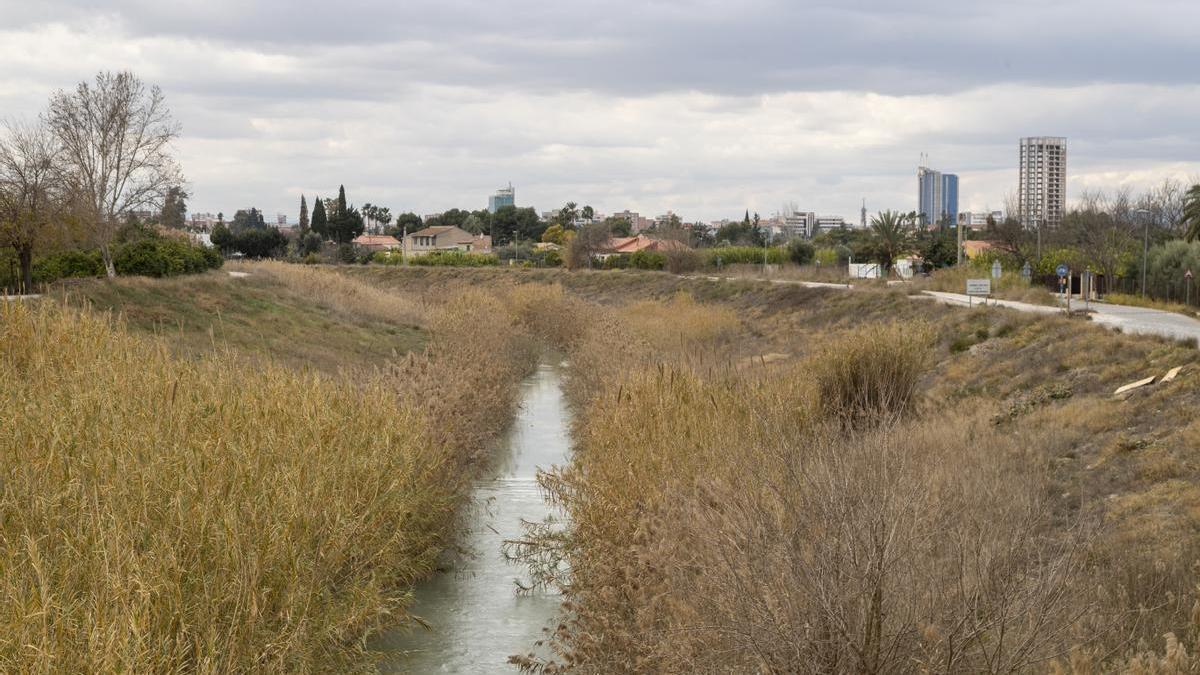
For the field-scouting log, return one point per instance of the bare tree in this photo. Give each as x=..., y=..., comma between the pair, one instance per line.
x=30, y=191
x=589, y=241
x=116, y=139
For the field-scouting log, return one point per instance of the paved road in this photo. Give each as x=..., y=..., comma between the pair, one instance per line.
x=1139, y=320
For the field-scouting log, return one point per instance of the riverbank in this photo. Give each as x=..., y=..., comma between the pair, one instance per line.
x=277, y=516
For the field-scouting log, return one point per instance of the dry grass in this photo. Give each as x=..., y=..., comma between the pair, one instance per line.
x=681, y=323
x=162, y=515
x=345, y=295
x=719, y=524
x=278, y=313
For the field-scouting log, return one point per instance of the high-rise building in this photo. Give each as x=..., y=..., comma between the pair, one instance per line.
x=937, y=196
x=505, y=196
x=949, y=212
x=929, y=194
x=1042, y=191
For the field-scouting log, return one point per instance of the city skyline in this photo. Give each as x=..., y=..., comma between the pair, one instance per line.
x=642, y=113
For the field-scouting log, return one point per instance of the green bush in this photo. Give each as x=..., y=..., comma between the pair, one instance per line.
x=547, y=258
x=68, y=265
x=454, y=259
x=800, y=251
x=745, y=255
x=647, y=260
x=164, y=258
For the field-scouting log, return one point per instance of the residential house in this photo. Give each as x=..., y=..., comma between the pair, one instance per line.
x=622, y=245
x=376, y=242
x=446, y=238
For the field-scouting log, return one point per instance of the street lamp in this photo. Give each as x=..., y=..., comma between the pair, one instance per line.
x=1145, y=244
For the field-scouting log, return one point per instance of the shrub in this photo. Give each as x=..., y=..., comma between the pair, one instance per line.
x=68, y=265
x=647, y=260
x=346, y=253
x=163, y=257
x=800, y=251
x=683, y=261
x=454, y=259
x=870, y=373
x=745, y=255
x=547, y=258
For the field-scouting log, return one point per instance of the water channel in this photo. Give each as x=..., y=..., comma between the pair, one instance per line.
x=476, y=618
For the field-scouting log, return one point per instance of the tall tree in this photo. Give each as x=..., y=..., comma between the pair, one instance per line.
x=587, y=213
x=174, y=209
x=1191, y=213
x=30, y=191
x=320, y=222
x=341, y=200
x=116, y=137
x=303, y=216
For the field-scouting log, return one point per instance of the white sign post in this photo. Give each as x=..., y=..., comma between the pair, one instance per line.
x=980, y=287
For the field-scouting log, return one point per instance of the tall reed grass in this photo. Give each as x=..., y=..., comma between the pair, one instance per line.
x=164, y=515
x=727, y=521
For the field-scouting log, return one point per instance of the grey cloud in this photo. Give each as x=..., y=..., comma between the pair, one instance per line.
x=637, y=48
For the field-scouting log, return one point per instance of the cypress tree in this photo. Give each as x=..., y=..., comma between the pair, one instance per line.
x=341, y=203
x=319, y=223
x=303, y=216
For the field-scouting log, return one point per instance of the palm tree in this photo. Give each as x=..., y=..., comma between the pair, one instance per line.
x=891, y=237
x=1191, y=213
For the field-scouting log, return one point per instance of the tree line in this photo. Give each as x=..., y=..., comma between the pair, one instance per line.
x=75, y=175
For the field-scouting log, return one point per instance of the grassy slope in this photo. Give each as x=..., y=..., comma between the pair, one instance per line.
x=256, y=315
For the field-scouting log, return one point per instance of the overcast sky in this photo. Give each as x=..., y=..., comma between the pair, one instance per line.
x=707, y=108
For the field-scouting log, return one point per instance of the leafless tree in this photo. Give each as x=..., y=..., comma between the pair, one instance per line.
x=116, y=137
x=589, y=241
x=30, y=190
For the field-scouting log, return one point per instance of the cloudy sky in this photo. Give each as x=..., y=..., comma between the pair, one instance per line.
x=707, y=108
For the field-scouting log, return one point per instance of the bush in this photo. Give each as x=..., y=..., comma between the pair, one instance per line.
x=800, y=251
x=547, y=258
x=683, y=261
x=871, y=373
x=164, y=257
x=647, y=260
x=745, y=255
x=454, y=259
x=68, y=265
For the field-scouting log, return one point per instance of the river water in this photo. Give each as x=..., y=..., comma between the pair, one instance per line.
x=476, y=618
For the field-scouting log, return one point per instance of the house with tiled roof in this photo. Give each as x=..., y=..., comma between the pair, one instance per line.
x=376, y=242
x=446, y=238
x=621, y=245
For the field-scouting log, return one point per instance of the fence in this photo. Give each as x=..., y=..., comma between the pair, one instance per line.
x=1180, y=291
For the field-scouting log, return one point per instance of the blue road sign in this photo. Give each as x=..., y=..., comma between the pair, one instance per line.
x=1061, y=270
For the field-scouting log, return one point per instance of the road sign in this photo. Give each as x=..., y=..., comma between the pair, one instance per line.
x=997, y=270
x=1061, y=270
x=1187, y=274
x=979, y=287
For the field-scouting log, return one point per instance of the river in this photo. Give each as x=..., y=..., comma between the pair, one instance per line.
x=476, y=618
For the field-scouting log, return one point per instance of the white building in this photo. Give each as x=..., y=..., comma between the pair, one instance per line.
x=1042, y=189
x=828, y=223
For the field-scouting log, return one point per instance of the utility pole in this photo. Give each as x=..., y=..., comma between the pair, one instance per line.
x=1142, y=213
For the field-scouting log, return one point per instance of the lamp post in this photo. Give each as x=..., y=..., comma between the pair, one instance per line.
x=1145, y=244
